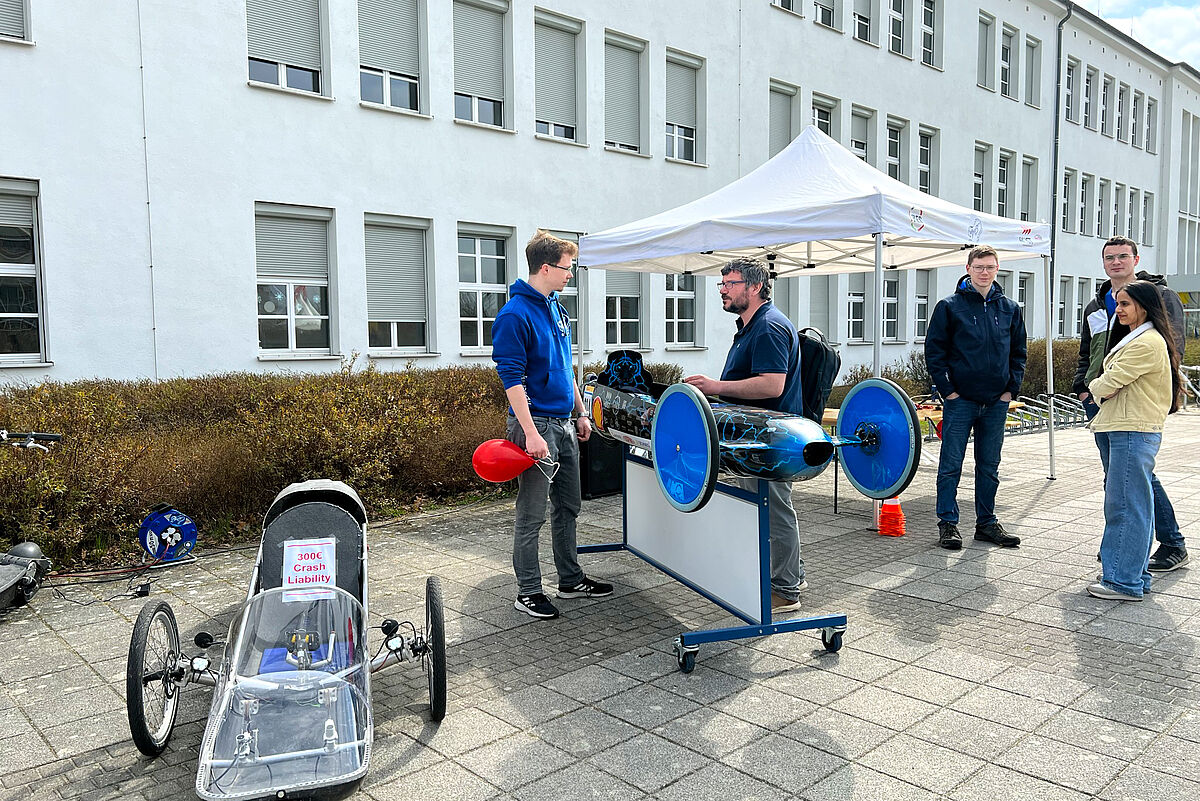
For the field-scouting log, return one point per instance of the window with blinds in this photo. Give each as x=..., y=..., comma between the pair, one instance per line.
x=623, y=308
x=556, y=75
x=20, y=308
x=781, y=112
x=291, y=249
x=12, y=18
x=682, y=101
x=479, y=61
x=284, y=43
x=623, y=93
x=389, y=53
x=397, y=295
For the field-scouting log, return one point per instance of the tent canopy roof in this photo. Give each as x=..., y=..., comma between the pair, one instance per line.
x=814, y=207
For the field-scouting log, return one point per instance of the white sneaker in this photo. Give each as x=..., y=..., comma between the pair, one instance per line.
x=1099, y=590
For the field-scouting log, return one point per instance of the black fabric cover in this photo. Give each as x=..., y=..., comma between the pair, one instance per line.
x=307, y=521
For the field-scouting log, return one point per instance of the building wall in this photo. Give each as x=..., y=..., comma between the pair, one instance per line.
x=151, y=150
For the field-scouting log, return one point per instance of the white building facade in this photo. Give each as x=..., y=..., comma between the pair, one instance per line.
x=198, y=187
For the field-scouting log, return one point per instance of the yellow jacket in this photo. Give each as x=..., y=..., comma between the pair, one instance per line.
x=1140, y=375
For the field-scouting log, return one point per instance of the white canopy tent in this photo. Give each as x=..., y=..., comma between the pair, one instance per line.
x=817, y=208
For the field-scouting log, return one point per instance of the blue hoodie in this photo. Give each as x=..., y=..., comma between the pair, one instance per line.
x=531, y=345
x=976, y=346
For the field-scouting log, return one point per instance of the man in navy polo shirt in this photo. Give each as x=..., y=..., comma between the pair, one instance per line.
x=763, y=369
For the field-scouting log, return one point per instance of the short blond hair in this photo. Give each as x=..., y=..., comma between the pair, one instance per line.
x=546, y=248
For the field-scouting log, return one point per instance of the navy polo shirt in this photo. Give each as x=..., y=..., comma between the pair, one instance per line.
x=767, y=344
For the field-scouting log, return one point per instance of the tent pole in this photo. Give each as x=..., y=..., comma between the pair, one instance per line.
x=877, y=351
x=1050, y=354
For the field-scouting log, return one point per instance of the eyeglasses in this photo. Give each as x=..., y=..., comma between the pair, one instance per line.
x=1118, y=257
x=568, y=268
x=728, y=284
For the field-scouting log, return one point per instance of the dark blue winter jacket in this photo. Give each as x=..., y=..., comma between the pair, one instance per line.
x=976, y=347
x=531, y=345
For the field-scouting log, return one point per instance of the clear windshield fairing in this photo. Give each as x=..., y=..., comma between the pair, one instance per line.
x=291, y=708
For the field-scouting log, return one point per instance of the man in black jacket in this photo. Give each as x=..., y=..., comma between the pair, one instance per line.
x=975, y=351
x=1120, y=265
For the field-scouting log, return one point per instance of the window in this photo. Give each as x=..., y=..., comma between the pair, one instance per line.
x=986, y=67
x=929, y=29
x=779, y=134
x=12, y=20
x=681, y=309
x=389, y=52
x=1101, y=209
x=855, y=316
x=479, y=62
x=789, y=5
x=396, y=264
x=1033, y=71
x=1064, y=285
x=1151, y=125
x=979, y=196
x=1106, y=92
x=1085, y=205
x=291, y=248
x=921, y=307
x=1131, y=220
x=1009, y=80
x=1083, y=291
x=284, y=43
x=1068, y=201
x=927, y=161
x=1122, y=105
x=1070, y=104
x=1147, y=239
x=1090, y=81
x=891, y=308
x=822, y=114
x=20, y=274
x=1024, y=282
x=556, y=76
x=1117, y=208
x=895, y=149
x=482, y=283
x=860, y=134
x=1002, y=183
x=682, y=103
x=896, y=27
x=1135, y=129
x=569, y=297
x=823, y=12
x=622, y=308
x=623, y=92
x=1029, y=179
x=862, y=21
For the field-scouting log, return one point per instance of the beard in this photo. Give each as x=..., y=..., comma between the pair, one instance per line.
x=735, y=307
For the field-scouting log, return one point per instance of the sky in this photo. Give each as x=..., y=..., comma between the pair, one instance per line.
x=1170, y=28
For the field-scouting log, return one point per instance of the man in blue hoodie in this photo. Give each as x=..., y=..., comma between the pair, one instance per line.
x=531, y=345
x=975, y=351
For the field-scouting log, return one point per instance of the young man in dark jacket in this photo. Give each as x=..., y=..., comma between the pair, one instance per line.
x=1120, y=265
x=975, y=351
x=531, y=345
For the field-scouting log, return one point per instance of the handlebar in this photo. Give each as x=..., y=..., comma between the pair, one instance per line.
x=28, y=439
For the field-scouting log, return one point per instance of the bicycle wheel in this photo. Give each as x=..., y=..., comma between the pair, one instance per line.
x=434, y=661
x=151, y=679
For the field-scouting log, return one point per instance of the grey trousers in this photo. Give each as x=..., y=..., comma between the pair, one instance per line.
x=787, y=568
x=563, y=492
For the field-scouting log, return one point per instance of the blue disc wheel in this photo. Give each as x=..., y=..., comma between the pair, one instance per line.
x=686, y=450
x=879, y=414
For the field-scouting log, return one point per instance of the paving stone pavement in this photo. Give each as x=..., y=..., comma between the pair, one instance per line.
x=980, y=674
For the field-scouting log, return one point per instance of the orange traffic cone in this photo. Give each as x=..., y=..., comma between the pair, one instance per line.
x=891, y=518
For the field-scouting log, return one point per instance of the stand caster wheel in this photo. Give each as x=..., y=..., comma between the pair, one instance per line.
x=832, y=640
x=685, y=655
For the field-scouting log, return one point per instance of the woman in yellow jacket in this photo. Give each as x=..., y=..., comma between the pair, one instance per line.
x=1139, y=385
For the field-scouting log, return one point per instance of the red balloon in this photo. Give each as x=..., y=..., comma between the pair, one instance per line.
x=499, y=460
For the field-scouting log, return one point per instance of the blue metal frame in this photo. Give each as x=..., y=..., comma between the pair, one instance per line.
x=692, y=639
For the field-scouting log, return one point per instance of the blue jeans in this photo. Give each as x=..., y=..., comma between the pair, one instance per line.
x=1166, y=527
x=1128, y=458
x=564, y=494
x=959, y=417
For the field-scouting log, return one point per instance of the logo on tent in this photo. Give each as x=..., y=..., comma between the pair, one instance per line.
x=916, y=218
x=1028, y=237
x=975, y=230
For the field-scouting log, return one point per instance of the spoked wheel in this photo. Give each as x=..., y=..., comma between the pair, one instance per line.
x=434, y=661
x=151, y=685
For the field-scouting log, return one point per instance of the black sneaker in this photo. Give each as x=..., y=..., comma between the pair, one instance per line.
x=994, y=532
x=1168, y=558
x=948, y=536
x=536, y=605
x=585, y=589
